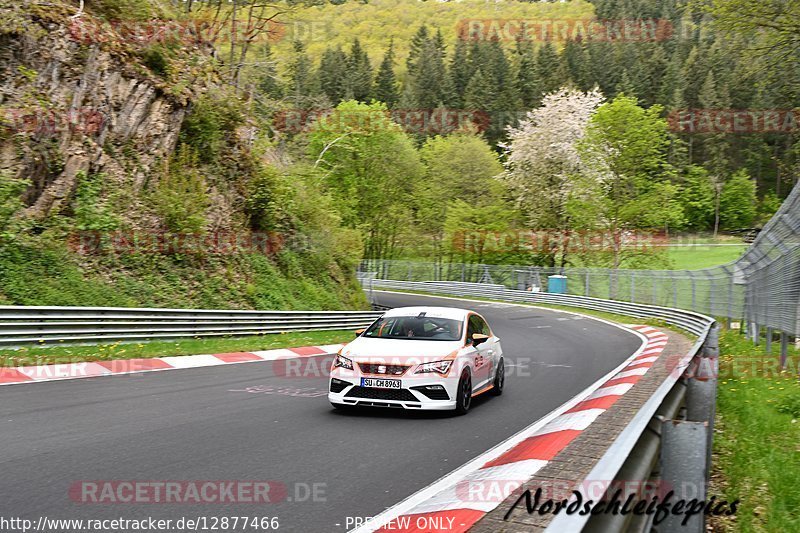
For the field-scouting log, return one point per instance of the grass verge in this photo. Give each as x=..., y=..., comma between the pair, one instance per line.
x=44, y=355
x=757, y=438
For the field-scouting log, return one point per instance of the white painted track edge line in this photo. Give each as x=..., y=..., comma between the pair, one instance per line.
x=459, y=473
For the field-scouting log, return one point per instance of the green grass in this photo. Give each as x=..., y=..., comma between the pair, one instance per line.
x=695, y=257
x=42, y=355
x=756, y=450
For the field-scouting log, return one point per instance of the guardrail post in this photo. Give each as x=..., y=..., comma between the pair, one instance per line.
x=701, y=388
x=684, y=462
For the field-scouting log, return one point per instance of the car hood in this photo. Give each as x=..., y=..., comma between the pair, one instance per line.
x=399, y=351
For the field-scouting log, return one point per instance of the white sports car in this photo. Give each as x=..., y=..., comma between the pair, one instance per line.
x=419, y=358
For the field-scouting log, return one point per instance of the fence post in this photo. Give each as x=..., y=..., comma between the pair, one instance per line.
x=784, y=348
x=711, y=297
x=655, y=289
x=674, y=291
x=633, y=286
x=587, y=284
x=769, y=341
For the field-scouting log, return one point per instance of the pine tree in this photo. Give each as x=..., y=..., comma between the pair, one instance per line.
x=333, y=74
x=480, y=93
x=385, y=82
x=415, y=47
x=626, y=86
x=460, y=73
x=507, y=103
x=527, y=79
x=547, y=65
x=429, y=78
x=359, y=73
x=302, y=82
x=438, y=41
x=574, y=62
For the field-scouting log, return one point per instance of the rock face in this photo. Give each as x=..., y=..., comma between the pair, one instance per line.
x=69, y=107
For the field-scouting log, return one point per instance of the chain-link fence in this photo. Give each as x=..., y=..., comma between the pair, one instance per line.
x=761, y=289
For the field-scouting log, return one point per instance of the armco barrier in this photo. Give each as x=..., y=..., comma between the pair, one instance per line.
x=21, y=326
x=695, y=323
x=669, y=438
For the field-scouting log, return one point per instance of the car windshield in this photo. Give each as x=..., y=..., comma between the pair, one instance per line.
x=416, y=328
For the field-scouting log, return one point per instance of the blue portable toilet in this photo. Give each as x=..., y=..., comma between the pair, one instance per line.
x=557, y=284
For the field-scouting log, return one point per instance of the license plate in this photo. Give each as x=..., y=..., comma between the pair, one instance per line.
x=381, y=383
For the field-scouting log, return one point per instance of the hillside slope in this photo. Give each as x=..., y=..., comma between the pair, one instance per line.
x=129, y=175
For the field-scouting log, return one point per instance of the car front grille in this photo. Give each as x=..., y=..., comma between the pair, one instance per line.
x=399, y=395
x=384, y=370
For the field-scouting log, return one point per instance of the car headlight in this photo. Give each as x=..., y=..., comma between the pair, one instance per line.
x=438, y=367
x=343, y=362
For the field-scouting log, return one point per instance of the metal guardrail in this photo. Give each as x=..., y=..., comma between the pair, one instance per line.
x=695, y=323
x=669, y=438
x=21, y=326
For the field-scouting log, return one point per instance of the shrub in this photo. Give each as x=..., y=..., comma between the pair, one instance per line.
x=181, y=196
x=211, y=122
x=91, y=211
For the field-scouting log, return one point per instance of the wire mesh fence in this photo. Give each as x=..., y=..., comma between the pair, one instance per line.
x=762, y=288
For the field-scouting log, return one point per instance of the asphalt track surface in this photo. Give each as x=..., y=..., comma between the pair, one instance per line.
x=201, y=424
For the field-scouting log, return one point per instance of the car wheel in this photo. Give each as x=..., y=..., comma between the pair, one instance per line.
x=499, y=379
x=464, y=394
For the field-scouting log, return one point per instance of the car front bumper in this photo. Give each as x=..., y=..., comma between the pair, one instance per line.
x=417, y=392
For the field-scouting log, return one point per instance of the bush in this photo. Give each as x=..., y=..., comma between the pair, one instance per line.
x=181, y=197
x=11, y=190
x=91, y=211
x=737, y=202
x=268, y=197
x=211, y=122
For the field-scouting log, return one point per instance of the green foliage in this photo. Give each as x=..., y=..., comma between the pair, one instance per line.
x=738, y=202
x=267, y=200
x=767, y=207
x=11, y=190
x=181, y=196
x=697, y=198
x=92, y=212
x=210, y=125
x=371, y=167
x=123, y=9
x=156, y=58
x=386, y=89
x=790, y=404
x=377, y=22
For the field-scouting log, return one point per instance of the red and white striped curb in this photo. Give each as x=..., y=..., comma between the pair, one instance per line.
x=455, y=508
x=35, y=374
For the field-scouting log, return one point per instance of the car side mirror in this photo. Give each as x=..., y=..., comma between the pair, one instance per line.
x=479, y=338
x=359, y=332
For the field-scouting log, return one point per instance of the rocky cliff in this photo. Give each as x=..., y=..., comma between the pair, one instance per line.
x=73, y=106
